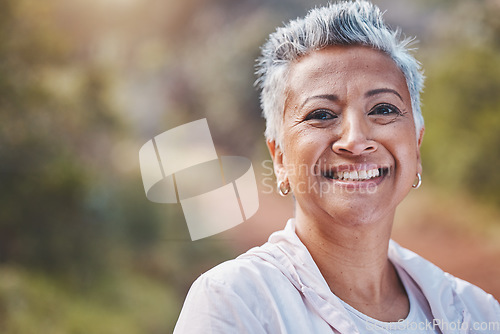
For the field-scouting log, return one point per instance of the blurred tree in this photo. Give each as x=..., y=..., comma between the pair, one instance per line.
x=55, y=133
x=461, y=101
x=68, y=204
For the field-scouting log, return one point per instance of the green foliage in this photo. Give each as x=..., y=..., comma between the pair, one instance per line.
x=46, y=143
x=81, y=248
x=125, y=304
x=461, y=107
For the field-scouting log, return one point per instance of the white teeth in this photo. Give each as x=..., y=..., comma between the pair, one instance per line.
x=357, y=175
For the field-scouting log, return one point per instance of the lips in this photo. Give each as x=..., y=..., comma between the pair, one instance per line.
x=356, y=173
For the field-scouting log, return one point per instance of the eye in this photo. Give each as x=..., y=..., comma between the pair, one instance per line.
x=385, y=110
x=321, y=114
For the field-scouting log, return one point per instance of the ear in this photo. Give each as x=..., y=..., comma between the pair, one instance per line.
x=419, y=143
x=277, y=156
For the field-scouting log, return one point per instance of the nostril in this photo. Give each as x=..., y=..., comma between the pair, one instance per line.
x=355, y=148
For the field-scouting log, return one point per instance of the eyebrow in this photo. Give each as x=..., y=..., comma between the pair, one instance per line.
x=382, y=90
x=331, y=97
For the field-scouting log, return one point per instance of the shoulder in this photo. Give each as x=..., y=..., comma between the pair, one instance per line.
x=251, y=276
x=480, y=304
x=239, y=295
x=444, y=291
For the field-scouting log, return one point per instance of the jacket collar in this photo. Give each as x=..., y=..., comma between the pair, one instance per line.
x=436, y=285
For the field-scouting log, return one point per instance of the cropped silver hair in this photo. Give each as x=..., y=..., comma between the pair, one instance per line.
x=341, y=23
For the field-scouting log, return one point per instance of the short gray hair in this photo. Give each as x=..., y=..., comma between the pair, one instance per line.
x=342, y=23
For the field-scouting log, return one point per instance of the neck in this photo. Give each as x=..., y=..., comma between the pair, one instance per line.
x=353, y=260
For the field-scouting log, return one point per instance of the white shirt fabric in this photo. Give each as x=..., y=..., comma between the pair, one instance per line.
x=277, y=288
x=418, y=321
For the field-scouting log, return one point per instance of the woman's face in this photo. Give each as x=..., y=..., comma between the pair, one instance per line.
x=348, y=141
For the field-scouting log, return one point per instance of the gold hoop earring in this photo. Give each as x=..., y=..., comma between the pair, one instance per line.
x=419, y=182
x=283, y=189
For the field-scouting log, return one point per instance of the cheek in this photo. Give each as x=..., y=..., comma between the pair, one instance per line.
x=297, y=145
x=301, y=156
x=401, y=138
x=406, y=159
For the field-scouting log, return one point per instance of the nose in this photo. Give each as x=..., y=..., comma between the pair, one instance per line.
x=353, y=139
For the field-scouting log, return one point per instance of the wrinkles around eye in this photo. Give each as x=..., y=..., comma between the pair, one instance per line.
x=320, y=115
x=385, y=113
x=385, y=109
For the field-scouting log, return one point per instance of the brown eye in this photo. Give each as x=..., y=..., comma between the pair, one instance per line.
x=385, y=110
x=321, y=114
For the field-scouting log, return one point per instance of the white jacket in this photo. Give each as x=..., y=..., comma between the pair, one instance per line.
x=277, y=288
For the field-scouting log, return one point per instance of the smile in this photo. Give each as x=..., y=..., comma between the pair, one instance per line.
x=356, y=175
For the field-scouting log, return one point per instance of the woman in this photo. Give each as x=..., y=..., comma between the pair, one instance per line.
x=340, y=94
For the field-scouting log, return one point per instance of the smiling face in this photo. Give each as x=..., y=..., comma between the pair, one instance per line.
x=348, y=145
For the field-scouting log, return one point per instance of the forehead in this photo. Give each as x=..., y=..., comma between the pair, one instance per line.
x=344, y=68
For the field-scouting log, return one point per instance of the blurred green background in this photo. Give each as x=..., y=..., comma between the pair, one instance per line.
x=84, y=83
